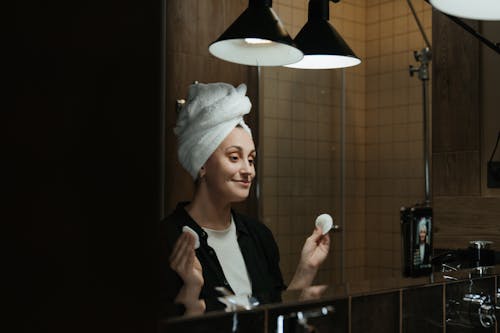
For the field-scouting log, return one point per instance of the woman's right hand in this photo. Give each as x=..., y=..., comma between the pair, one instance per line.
x=183, y=261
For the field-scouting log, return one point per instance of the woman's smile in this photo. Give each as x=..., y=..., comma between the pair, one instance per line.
x=243, y=182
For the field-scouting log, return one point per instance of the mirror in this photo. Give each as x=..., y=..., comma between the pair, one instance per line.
x=347, y=142
x=343, y=142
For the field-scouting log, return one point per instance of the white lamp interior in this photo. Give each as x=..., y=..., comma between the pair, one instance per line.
x=470, y=9
x=255, y=52
x=322, y=61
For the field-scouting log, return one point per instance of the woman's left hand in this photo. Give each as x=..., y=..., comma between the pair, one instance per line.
x=313, y=254
x=315, y=249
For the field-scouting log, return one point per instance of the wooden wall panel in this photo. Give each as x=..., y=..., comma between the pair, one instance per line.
x=455, y=87
x=456, y=118
x=461, y=211
x=462, y=219
x=490, y=83
x=456, y=173
x=181, y=26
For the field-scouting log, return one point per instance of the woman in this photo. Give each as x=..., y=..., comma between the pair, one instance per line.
x=235, y=252
x=422, y=248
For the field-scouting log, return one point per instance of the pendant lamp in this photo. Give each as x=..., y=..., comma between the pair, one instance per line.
x=322, y=45
x=488, y=10
x=256, y=38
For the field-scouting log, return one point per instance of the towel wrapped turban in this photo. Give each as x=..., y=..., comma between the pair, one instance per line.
x=210, y=113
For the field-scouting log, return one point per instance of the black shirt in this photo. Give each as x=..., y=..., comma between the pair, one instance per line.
x=257, y=246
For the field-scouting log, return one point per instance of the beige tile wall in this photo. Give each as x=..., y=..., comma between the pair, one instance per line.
x=394, y=132
x=300, y=122
x=300, y=135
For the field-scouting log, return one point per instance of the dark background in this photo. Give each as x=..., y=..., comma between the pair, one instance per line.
x=81, y=168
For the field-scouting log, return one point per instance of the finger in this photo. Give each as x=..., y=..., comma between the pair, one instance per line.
x=325, y=241
x=327, y=238
x=178, y=244
x=317, y=233
x=186, y=239
x=192, y=239
x=324, y=244
x=180, y=264
x=180, y=250
x=189, y=260
x=197, y=264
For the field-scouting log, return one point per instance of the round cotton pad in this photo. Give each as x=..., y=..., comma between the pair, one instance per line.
x=195, y=235
x=325, y=222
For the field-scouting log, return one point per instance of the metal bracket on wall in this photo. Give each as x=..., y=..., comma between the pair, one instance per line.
x=179, y=104
x=181, y=101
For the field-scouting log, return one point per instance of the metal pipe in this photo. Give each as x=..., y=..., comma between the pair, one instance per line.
x=426, y=143
x=424, y=57
x=342, y=174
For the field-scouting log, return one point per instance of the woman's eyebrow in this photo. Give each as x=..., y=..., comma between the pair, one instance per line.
x=239, y=148
x=234, y=147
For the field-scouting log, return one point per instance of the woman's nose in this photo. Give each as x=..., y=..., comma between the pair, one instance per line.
x=247, y=168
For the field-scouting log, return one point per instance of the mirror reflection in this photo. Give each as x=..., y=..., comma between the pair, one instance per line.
x=349, y=142
x=219, y=259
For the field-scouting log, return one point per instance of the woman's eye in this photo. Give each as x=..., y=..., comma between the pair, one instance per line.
x=233, y=158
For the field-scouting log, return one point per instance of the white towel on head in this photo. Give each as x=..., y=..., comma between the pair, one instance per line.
x=211, y=112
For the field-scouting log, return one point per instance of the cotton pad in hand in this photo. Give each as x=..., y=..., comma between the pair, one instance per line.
x=195, y=235
x=325, y=222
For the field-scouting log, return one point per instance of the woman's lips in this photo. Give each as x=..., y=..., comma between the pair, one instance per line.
x=245, y=183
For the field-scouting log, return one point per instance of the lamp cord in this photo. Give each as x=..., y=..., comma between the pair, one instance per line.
x=494, y=46
x=419, y=24
x=495, y=149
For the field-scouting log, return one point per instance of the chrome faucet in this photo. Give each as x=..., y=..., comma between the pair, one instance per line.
x=486, y=309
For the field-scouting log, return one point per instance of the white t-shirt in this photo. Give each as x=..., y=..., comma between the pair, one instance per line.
x=225, y=245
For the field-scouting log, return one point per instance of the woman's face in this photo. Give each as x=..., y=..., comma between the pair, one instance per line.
x=230, y=169
x=422, y=234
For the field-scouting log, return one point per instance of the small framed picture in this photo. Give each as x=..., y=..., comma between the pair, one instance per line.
x=416, y=232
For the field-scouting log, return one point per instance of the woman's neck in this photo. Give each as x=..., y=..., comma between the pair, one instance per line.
x=209, y=213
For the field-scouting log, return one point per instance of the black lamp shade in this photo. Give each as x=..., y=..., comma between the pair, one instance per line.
x=256, y=38
x=322, y=45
